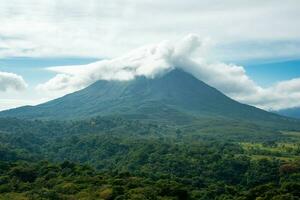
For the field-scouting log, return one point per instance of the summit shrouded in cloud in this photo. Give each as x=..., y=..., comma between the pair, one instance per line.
x=189, y=54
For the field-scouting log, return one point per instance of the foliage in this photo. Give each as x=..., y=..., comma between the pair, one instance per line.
x=113, y=158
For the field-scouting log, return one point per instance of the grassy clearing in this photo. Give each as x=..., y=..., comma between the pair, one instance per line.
x=12, y=196
x=282, y=151
x=291, y=133
x=282, y=158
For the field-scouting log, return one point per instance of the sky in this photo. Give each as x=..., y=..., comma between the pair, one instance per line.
x=249, y=50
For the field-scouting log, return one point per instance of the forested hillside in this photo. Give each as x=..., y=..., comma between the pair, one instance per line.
x=113, y=158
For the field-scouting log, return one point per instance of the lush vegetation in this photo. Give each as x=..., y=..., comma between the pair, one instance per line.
x=113, y=158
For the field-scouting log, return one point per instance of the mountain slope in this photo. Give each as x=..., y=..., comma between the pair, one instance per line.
x=291, y=112
x=176, y=96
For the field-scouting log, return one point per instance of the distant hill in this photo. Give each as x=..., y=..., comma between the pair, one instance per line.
x=175, y=96
x=291, y=112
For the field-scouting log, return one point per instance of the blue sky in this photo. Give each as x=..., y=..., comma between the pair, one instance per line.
x=269, y=72
x=250, y=50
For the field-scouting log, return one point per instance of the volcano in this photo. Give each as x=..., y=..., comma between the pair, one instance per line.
x=175, y=96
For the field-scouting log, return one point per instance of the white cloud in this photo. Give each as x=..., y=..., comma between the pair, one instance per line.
x=12, y=85
x=190, y=54
x=284, y=94
x=11, y=81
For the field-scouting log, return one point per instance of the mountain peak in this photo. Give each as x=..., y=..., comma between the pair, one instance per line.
x=177, y=72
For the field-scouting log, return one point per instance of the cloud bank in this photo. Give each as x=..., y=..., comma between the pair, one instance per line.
x=189, y=54
x=11, y=81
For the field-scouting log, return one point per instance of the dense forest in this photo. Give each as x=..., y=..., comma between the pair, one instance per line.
x=113, y=158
